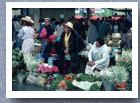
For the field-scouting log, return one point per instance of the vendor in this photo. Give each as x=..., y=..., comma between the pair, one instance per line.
x=26, y=33
x=52, y=50
x=69, y=50
x=99, y=55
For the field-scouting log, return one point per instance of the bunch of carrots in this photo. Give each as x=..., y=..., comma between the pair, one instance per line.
x=62, y=85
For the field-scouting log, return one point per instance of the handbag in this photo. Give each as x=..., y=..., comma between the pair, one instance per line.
x=43, y=33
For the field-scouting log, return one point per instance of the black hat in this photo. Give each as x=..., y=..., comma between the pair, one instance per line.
x=100, y=40
x=41, y=20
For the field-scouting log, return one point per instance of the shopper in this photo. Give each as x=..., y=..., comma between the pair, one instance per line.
x=46, y=31
x=17, y=29
x=92, y=32
x=27, y=35
x=69, y=50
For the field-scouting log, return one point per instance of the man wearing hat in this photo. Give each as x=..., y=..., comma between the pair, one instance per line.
x=26, y=33
x=69, y=50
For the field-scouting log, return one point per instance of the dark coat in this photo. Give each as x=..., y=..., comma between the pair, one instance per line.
x=73, y=50
x=104, y=29
x=48, y=50
x=48, y=29
x=81, y=44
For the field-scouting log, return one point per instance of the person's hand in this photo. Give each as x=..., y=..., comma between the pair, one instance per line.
x=66, y=51
x=92, y=64
x=55, y=55
x=84, y=49
x=89, y=63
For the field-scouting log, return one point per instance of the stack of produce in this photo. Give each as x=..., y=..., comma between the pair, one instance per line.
x=55, y=83
x=116, y=39
x=86, y=81
x=17, y=57
x=61, y=82
x=62, y=85
x=38, y=47
x=69, y=78
x=33, y=64
x=49, y=80
x=40, y=81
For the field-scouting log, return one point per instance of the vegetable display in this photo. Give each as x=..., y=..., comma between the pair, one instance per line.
x=94, y=87
x=16, y=57
x=88, y=78
x=55, y=83
x=62, y=85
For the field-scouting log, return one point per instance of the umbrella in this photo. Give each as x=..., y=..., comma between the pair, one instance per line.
x=95, y=17
x=78, y=16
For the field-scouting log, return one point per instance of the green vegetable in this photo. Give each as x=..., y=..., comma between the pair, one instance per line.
x=37, y=41
x=17, y=49
x=55, y=83
x=89, y=78
x=69, y=84
x=73, y=75
x=94, y=87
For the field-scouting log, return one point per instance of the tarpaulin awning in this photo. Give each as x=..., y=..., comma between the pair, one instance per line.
x=78, y=16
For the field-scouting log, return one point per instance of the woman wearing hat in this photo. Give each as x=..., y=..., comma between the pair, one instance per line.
x=69, y=49
x=27, y=35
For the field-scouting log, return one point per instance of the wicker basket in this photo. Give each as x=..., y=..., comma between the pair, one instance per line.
x=116, y=36
x=37, y=49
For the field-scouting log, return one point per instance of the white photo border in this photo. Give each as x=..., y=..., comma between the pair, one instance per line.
x=71, y=94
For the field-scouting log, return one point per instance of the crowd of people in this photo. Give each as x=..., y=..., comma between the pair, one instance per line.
x=62, y=41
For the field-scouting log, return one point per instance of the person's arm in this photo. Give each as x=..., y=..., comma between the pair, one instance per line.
x=74, y=47
x=90, y=53
x=21, y=34
x=101, y=61
x=16, y=27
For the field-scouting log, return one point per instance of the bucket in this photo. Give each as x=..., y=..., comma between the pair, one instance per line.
x=121, y=85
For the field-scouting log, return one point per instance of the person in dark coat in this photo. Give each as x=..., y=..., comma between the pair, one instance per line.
x=45, y=36
x=69, y=50
x=52, y=51
x=104, y=29
x=92, y=32
x=125, y=39
x=81, y=29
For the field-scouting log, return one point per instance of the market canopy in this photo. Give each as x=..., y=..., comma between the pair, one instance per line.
x=78, y=16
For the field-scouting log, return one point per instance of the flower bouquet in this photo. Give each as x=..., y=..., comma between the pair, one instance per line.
x=45, y=68
x=125, y=60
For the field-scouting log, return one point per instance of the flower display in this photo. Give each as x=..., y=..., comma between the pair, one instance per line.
x=125, y=59
x=116, y=74
x=46, y=68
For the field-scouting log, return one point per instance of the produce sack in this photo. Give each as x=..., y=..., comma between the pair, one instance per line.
x=89, y=69
x=40, y=81
x=85, y=85
x=88, y=46
x=32, y=77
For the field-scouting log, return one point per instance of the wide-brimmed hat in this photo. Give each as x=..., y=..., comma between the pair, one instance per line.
x=28, y=19
x=70, y=25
